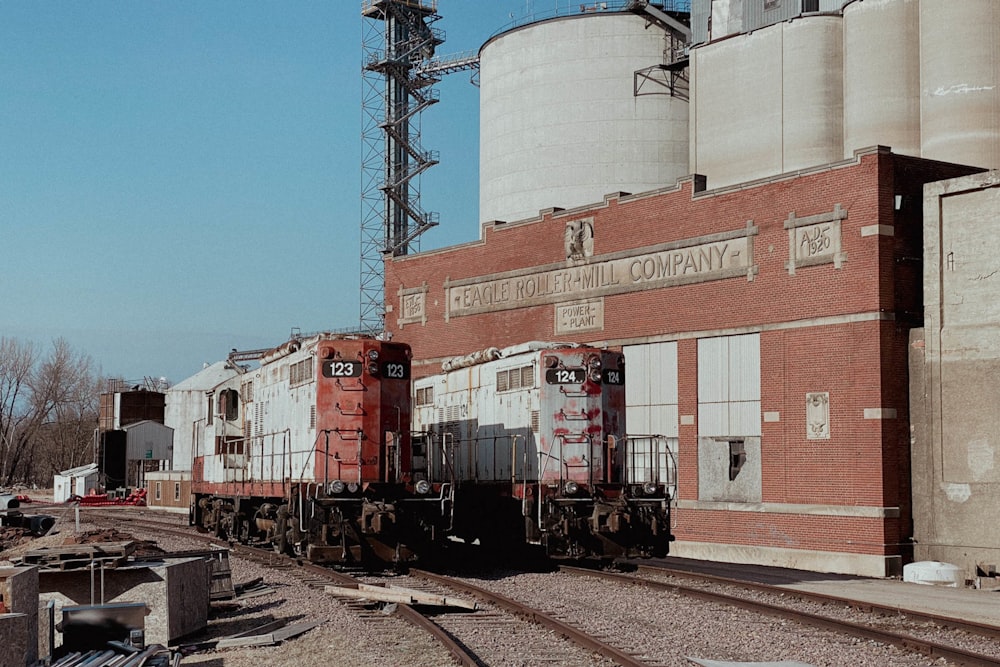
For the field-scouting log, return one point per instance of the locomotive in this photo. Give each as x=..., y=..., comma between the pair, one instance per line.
x=311, y=453
x=533, y=444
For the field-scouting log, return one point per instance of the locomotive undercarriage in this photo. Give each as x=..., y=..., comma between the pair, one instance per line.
x=353, y=532
x=589, y=527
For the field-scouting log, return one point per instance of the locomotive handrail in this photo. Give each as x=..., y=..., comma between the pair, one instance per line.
x=359, y=410
x=573, y=416
x=343, y=387
x=658, y=448
x=358, y=433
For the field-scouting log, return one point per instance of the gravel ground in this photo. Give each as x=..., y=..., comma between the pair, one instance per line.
x=664, y=628
x=667, y=629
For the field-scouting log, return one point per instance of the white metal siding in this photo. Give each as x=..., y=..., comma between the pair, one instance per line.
x=729, y=386
x=651, y=389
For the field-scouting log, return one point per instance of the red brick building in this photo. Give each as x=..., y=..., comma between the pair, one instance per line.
x=765, y=328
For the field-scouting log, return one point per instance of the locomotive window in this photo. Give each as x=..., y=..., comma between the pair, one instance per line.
x=515, y=378
x=300, y=372
x=425, y=395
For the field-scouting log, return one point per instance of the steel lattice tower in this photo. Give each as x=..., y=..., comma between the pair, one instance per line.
x=398, y=42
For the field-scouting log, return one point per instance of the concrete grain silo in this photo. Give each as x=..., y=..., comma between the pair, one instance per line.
x=960, y=81
x=560, y=123
x=882, y=75
x=769, y=101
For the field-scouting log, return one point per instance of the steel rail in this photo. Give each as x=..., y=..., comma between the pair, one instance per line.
x=909, y=643
x=575, y=635
x=974, y=627
x=271, y=558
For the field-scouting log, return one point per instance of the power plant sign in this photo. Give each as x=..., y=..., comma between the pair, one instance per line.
x=579, y=316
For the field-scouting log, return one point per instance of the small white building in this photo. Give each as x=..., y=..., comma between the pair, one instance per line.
x=75, y=482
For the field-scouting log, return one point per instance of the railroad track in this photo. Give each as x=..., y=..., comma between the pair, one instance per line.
x=459, y=633
x=721, y=590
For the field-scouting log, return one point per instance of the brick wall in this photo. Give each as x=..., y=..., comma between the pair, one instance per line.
x=839, y=327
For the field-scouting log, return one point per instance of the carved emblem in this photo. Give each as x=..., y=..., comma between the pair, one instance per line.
x=818, y=416
x=579, y=240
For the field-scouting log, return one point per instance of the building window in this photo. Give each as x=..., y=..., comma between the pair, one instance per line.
x=737, y=457
x=229, y=404
x=177, y=491
x=157, y=495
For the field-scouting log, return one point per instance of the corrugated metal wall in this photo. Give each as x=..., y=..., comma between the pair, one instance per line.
x=729, y=386
x=701, y=12
x=651, y=389
x=760, y=13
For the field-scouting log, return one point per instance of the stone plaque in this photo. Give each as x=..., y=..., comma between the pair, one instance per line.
x=579, y=316
x=715, y=257
x=413, y=305
x=815, y=239
x=818, y=416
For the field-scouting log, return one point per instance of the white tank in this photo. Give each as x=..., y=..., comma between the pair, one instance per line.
x=559, y=123
x=882, y=76
x=768, y=102
x=812, y=90
x=934, y=573
x=960, y=81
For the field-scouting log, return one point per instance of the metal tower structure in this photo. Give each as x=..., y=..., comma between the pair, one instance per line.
x=398, y=44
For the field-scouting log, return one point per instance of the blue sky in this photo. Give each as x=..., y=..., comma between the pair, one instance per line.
x=178, y=178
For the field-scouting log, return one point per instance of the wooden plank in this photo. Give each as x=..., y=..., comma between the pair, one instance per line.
x=267, y=628
x=264, y=639
x=222, y=578
x=294, y=630
x=399, y=595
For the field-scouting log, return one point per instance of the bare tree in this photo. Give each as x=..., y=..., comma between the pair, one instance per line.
x=41, y=398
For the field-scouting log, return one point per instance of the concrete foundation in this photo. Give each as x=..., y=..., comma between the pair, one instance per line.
x=815, y=561
x=19, y=593
x=15, y=644
x=176, y=593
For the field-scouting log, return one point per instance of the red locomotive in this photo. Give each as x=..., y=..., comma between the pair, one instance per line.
x=312, y=453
